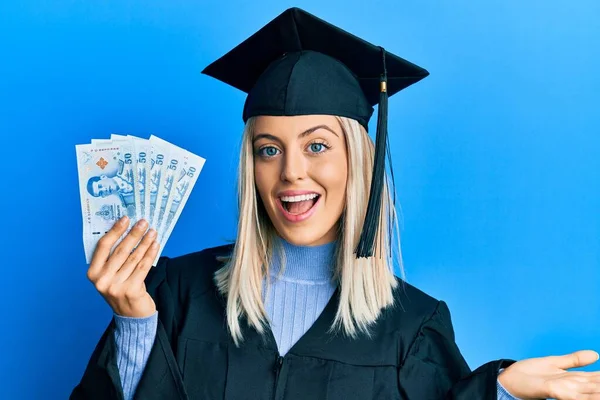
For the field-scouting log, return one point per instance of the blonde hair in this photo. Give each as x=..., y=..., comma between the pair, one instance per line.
x=366, y=284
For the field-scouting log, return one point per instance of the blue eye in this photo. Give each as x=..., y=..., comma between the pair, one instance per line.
x=317, y=147
x=268, y=151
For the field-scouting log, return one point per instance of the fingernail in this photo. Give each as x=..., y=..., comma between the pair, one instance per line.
x=142, y=224
x=151, y=233
x=155, y=245
x=123, y=220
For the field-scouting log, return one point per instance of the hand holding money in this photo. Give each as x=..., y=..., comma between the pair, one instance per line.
x=119, y=277
x=148, y=179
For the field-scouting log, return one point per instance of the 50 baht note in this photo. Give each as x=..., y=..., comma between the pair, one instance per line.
x=171, y=168
x=155, y=173
x=183, y=182
x=106, y=188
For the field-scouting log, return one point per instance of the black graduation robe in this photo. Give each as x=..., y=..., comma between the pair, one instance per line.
x=412, y=353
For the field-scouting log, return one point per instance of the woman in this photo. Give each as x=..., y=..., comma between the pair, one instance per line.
x=304, y=305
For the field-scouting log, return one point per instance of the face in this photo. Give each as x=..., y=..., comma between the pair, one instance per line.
x=104, y=187
x=300, y=170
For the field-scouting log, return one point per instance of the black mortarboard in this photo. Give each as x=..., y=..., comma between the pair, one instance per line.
x=299, y=64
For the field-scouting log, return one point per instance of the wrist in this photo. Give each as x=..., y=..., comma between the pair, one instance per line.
x=143, y=309
x=506, y=381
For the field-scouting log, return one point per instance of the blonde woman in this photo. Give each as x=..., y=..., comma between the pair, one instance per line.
x=305, y=304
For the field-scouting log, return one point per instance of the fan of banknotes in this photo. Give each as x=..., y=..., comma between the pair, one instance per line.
x=141, y=178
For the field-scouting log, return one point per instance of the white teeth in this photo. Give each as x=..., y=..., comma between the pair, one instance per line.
x=303, y=197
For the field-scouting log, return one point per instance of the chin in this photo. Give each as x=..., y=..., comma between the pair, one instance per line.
x=304, y=237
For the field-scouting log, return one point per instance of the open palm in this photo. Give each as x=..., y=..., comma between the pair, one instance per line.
x=547, y=377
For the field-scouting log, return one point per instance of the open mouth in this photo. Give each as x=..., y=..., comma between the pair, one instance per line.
x=298, y=205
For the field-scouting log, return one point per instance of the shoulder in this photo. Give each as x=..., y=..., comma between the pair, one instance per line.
x=189, y=273
x=412, y=308
x=412, y=300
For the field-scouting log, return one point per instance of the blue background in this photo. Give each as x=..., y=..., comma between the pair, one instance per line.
x=496, y=156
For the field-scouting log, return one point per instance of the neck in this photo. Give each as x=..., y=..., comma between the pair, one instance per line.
x=303, y=263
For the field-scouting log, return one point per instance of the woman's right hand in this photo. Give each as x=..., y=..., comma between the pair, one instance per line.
x=119, y=277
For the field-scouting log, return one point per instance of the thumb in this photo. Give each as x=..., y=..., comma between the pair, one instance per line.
x=577, y=359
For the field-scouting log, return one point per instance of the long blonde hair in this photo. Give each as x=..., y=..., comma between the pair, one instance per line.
x=366, y=284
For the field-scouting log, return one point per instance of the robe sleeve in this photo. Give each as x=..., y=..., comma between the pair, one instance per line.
x=161, y=378
x=434, y=368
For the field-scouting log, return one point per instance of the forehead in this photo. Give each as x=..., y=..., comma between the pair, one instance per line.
x=102, y=181
x=293, y=125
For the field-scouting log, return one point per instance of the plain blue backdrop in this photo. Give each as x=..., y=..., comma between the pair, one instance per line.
x=496, y=157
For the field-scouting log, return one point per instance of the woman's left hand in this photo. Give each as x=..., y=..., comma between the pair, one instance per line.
x=547, y=377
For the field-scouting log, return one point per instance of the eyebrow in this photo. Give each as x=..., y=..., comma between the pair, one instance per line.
x=301, y=135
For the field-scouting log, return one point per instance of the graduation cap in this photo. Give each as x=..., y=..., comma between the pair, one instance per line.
x=299, y=64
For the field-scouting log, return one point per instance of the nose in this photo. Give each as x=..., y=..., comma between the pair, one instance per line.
x=294, y=166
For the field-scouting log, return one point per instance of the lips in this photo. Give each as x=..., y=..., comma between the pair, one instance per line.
x=297, y=206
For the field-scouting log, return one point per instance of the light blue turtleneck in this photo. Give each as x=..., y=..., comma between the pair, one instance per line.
x=296, y=296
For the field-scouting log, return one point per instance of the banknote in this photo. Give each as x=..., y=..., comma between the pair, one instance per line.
x=141, y=150
x=130, y=186
x=141, y=178
x=101, y=141
x=136, y=181
x=184, y=180
x=106, y=188
x=170, y=168
x=155, y=170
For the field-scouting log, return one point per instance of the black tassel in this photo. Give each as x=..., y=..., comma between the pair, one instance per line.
x=366, y=242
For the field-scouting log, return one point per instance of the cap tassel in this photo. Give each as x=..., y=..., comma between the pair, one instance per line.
x=366, y=242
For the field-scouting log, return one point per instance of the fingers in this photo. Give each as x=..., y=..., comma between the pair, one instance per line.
x=584, y=376
x=590, y=388
x=595, y=396
x=586, y=385
x=575, y=387
x=123, y=250
x=143, y=267
x=134, y=258
x=588, y=397
x=577, y=359
x=105, y=245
